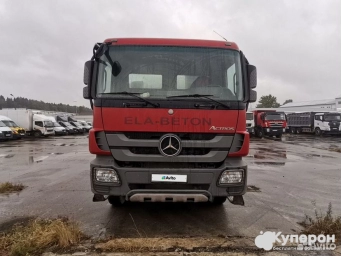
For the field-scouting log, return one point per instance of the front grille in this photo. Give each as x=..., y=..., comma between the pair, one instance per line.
x=158, y=135
x=174, y=165
x=276, y=125
x=155, y=151
x=141, y=147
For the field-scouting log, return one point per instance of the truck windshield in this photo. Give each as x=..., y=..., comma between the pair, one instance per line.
x=249, y=116
x=9, y=123
x=2, y=124
x=55, y=124
x=67, y=124
x=332, y=117
x=48, y=124
x=275, y=117
x=157, y=72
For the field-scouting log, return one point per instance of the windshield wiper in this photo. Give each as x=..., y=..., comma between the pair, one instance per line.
x=133, y=94
x=205, y=96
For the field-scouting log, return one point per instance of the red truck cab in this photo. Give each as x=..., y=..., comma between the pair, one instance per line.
x=169, y=120
x=269, y=123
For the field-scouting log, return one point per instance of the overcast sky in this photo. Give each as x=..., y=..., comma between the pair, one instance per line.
x=296, y=45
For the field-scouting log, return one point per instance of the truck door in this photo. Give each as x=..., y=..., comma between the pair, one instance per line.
x=318, y=122
x=39, y=125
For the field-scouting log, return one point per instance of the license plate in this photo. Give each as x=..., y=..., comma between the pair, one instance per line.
x=274, y=130
x=22, y=134
x=168, y=178
x=8, y=135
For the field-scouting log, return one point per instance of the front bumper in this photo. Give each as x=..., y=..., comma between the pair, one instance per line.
x=60, y=132
x=18, y=135
x=333, y=131
x=6, y=136
x=134, y=182
x=250, y=130
x=273, y=131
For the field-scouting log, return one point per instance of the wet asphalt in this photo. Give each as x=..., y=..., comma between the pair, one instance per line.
x=286, y=179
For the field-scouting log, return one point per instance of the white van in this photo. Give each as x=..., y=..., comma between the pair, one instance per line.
x=17, y=131
x=58, y=129
x=32, y=121
x=5, y=132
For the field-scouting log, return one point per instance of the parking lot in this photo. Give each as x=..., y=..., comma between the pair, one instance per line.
x=285, y=179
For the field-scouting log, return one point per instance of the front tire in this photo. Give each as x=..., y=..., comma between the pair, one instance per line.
x=259, y=133
x=318, y=131
x=218, y=200
x=36, y=134
x=116, y=201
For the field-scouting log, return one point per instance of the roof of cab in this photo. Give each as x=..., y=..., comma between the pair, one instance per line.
x=173, y=42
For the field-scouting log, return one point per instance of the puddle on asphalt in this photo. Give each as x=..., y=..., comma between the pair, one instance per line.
x=64, y=145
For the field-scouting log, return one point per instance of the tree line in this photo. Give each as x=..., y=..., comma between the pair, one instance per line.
x=20, y=102
x=270, y=101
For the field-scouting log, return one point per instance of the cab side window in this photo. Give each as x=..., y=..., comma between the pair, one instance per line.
x=39, y=123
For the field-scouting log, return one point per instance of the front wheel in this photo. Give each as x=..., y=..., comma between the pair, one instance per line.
x=116, y=200
x=318, y=131
x=37, y=134
x=219, y=200
x=259, y=133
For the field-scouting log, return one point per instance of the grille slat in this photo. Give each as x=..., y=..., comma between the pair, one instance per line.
x=158, y=135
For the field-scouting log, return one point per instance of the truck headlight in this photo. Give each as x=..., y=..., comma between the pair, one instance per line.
x=231, y=176
x=283, y=129
x=268, y=130
x=106, y=175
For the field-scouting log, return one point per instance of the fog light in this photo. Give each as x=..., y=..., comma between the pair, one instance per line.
x=106, y=175
x=231, y=176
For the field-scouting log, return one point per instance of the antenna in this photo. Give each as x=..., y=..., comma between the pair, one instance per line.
x=220, y=36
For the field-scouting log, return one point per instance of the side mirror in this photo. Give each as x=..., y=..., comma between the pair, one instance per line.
x=89, y=79
x=253, y=96
x=252, y=76
x=86, y=93
x=88, y=67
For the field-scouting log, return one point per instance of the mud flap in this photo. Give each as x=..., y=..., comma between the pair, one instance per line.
x=237, y=200
x=98, y=198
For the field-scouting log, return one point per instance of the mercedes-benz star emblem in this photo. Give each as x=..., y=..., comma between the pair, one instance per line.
x=170, y=145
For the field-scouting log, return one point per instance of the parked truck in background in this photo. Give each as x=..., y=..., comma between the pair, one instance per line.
x=58, y=129
x=169, y=120
x=70, y=129
x=33, y=121
x=250, y=123
x=314, y=122
x=77, y=125
x=5, y=132
x=85, y=125
x=269, y=123
x=17, y=131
